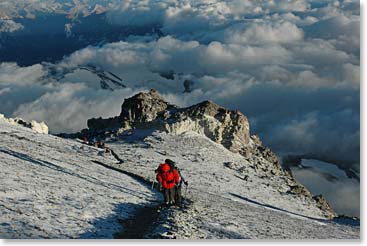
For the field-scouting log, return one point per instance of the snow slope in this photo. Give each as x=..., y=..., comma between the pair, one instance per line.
x=224, y=204
x=55, y=188
x=50, y=188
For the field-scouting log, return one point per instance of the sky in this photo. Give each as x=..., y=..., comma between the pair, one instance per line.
x=292, y=67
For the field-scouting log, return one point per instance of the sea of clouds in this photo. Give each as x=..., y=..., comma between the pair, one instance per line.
x=293, y=67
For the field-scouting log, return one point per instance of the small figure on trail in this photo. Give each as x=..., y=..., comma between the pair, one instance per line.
x=107, y=150
x=85, y=140
x=168, y=177
x=93, y=141
x=100, y=144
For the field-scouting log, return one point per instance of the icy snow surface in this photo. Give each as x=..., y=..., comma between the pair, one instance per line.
x=224, y=204
x=51, y=188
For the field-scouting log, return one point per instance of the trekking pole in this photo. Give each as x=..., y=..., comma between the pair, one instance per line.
x=153, y=184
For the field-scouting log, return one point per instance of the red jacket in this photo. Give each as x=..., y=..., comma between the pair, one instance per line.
x=167, y=178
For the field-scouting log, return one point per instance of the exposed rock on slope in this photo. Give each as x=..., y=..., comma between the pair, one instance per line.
x=34, y=125
x=227, y=127
x=135, y=111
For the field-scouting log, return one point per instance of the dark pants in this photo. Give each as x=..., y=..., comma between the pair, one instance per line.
x=169, y=195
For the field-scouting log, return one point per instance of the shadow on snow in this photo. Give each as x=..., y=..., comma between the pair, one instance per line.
x=127, y=221
x=83, y=176
x=342, y=221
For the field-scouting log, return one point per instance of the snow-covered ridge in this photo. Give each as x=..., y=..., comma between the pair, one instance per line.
x=233, y=196
x=34, y=125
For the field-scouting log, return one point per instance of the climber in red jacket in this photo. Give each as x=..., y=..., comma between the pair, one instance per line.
x=168, y=177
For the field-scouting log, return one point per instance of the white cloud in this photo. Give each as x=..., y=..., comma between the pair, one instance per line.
x=11, y=73
x=351, y=75
x=68, y=107
x=137, y=13
x=284, y=32
x=334, y=136
x=9, y=26
x=345, y=188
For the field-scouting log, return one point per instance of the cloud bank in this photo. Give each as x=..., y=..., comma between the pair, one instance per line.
x=8, y=26
x=291, y=66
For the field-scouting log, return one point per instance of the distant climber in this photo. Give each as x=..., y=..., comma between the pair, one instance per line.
x=85, y=140
x=168, y=177
x=100, y=144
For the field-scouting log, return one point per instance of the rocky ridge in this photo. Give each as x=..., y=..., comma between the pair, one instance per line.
x=230, y=128
x=146, y=110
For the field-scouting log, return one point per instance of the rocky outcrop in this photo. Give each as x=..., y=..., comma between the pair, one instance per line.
x=227, y=127
x=323, y=205
x=230, y=128
x=136, y=111
x=97, y=125
x=34, y=125
x=143, y=108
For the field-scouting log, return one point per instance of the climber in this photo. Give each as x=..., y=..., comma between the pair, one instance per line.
x=85, y=140
x=168, y=177
x=178, y=187
x=101, y=145
x=93, y=141
x=159, y=172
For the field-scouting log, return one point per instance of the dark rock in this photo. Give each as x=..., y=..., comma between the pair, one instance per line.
x=324, y=205
x=143, y=107
x=299, y=189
